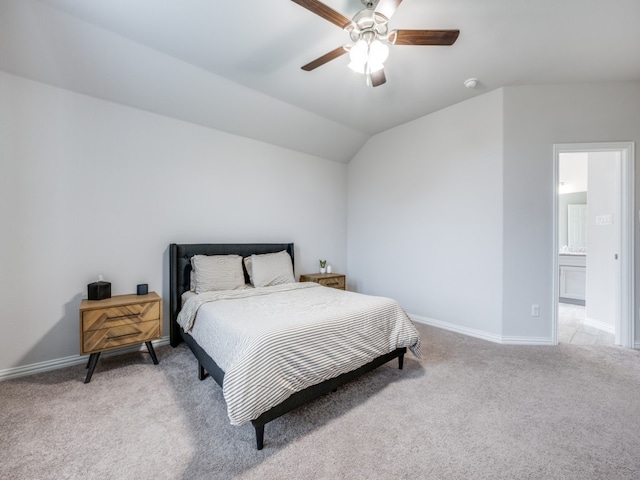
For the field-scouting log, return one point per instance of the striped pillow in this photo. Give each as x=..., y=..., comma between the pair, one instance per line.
x=271, y=269
x=217, y=272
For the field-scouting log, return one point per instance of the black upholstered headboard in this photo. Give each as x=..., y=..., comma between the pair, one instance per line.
x=180, y=270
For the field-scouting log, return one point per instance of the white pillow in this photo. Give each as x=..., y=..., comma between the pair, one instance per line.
x=217, y=272
x=271, y=269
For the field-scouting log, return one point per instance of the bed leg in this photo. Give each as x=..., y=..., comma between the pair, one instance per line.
x=259, y=435
x=400, y=361
x=202, y=373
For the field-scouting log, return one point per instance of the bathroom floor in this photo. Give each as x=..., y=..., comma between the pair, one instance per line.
x=571, y=328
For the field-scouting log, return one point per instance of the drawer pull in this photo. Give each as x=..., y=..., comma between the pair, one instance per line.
x=113, y=337
x=329, y=284
x=120, y=317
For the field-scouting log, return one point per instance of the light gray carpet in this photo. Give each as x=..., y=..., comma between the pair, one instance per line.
x=468, y=410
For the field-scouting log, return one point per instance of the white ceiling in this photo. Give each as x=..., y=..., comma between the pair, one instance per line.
x=235, y=64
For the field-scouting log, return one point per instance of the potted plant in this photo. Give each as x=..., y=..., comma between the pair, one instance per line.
x=323, y=266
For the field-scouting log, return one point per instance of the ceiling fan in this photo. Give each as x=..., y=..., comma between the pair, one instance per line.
x=371, y=36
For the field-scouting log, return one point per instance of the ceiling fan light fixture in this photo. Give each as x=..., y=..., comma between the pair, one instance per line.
x=368, y=57
x=357, y=67
x=378, y=52
x=359, y=53
x=365, y=68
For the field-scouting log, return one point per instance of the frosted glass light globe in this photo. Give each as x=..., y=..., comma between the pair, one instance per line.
x=378, y=52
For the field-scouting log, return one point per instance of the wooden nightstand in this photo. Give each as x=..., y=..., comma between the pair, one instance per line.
x=333, y=280
x=118, y=322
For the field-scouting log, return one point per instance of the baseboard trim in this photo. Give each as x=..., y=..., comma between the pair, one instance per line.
x=491, y=337
x=605, y=327
x=57, y=363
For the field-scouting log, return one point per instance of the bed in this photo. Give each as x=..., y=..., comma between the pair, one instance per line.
x=247, y=395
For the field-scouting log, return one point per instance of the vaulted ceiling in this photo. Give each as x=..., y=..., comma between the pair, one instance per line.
x=235, y=65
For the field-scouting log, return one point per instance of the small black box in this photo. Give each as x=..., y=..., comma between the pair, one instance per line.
x=99, y=290
x=143, y=289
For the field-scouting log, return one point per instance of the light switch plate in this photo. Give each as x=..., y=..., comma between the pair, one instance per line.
x=604, y=219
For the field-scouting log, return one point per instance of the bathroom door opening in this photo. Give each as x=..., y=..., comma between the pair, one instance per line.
x=604, y=265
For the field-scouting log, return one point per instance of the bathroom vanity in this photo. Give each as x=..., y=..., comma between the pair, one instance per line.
x=573, y=278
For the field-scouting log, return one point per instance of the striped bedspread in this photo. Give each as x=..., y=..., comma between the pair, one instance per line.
x=274, y=341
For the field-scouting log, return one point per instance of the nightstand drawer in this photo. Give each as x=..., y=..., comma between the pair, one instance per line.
x=116, y=336
x=334, y=282
x=121, y=315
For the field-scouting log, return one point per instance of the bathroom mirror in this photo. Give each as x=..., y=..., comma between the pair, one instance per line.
x=577, y=227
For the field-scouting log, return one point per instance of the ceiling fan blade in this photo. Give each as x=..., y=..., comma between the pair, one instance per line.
x=387, y=7
x=324, y=11
x=426, y=37
x=327, y=57
x=378, y=78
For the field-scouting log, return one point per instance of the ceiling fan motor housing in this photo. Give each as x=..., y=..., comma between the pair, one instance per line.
x=368, y=25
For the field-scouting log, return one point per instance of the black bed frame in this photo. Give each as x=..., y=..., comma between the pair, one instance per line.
x=180, y=280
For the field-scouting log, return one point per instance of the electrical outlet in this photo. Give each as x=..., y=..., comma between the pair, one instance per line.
x=535, y=310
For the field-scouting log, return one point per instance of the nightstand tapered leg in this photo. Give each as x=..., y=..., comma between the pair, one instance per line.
x=152, y=352
x=93, y=361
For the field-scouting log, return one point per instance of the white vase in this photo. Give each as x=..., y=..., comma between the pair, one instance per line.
x=329, y=269
x=323, y=269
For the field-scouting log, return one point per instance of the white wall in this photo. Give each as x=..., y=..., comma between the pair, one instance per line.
x=89, y=187
x=536, y=118
x=425, y=215
x=453, y=213
x=603, y=239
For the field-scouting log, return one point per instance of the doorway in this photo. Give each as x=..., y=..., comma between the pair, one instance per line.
x=593, y=237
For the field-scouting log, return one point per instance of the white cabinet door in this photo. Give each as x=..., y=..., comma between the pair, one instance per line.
x=573, y=282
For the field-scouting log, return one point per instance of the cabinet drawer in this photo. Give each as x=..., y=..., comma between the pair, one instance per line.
x=334, y=282
x=117, y=316
x=120, y=335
